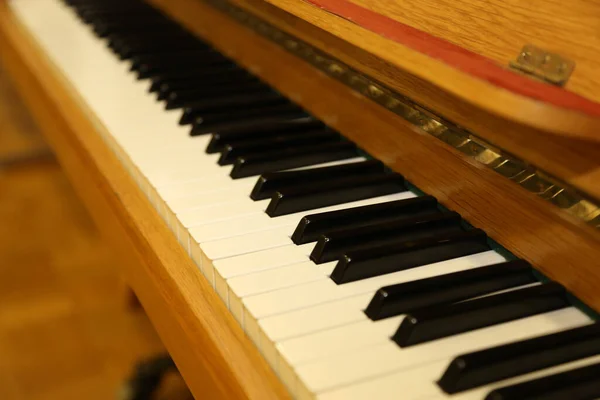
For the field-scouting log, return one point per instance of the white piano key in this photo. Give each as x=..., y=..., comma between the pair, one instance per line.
x=387, y=387
x=171, y=149
x=181, y=169
x=419, y=383
x=205, y=165
x=277, y=278
x=313, y=319
x=360, y=333
x=246, y=243
x=221, y=212
x=265, y=260
x=164, y=135
x=261, y=221
x=213, y=195
x=385, y=358
x=224, y=194
x=245, y=207
x=254, y=273
x=259, y=261
x=191, y=171
x=224, y=190
x=196, y=188
x=343, y=339
x=325, y=290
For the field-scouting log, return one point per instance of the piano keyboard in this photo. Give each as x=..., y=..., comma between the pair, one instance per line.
x=351, y=284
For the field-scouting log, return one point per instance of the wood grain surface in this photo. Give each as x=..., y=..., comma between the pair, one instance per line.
x=401, y=65
x=498, y=29
x=560, y=247
x=215, y=357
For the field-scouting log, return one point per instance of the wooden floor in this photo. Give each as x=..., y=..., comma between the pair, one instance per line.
x=66, y=331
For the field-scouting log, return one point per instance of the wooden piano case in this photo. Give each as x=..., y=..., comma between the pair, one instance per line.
x=415, y=83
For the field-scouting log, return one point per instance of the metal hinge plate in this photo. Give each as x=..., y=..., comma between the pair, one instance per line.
x=550, y=67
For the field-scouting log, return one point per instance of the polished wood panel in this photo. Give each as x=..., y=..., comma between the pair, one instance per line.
x=215, y=358
x=498, y=29
x=401, y=65
x=562, y=248
x=19, y=137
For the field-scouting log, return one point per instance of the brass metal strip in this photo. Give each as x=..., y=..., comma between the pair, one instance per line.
x=527, y=176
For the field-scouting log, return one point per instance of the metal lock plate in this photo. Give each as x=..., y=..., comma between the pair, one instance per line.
x=550, y=67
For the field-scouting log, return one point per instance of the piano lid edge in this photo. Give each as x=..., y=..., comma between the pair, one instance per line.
x=475, y=79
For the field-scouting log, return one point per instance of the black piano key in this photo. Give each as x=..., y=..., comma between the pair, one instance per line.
x=108, y=5
x=131, y=19
x=195, y=116
x=158, y=36
x=117, y=25
x=575, y=384
x=146, y=71
x=120, y=43
x=118, y=22
x=268, y=184
x=152, y=65
x=231, y=101
x=258, y=164
x=217, y=121
x=219, y=76
x=276, y=128
x=336, y=243
x=89, y=15
x=438, y=322
x=128, y=51
x=323, y=194
x=123, y=14
x=407, y=297
x=380, y=260
x=243, y=148
x=106, y=9
x=219, y=87
x=165, y=89
x=103, y=30
x=312, y=226
x=497, y=363
x=199, y=54
x=184, y=98
x=208, y=72
x=132, y=25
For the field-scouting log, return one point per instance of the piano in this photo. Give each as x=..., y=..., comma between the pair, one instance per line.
x=337, y=199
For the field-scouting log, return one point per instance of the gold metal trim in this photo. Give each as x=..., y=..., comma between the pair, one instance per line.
x=527, y=176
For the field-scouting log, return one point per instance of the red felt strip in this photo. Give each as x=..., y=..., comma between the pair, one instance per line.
x=457, y=57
